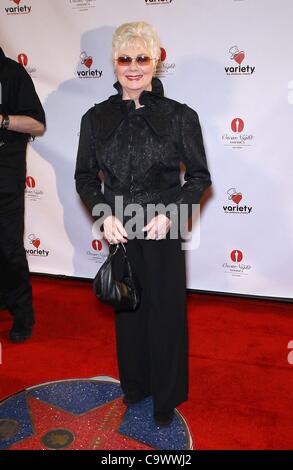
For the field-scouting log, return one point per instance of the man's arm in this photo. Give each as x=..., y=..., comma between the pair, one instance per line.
x=27, y=114
x=25, y=124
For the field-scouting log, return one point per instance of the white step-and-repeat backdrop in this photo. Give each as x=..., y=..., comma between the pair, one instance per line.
x=231, y=60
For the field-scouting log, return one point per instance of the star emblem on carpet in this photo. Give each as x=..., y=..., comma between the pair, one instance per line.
x=84, y=415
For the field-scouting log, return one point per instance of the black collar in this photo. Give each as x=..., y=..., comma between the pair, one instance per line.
x=146, y=98
x=154, y=112
x=157, y=89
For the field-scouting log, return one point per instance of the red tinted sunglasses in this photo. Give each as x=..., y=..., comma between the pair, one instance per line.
x=141, y=59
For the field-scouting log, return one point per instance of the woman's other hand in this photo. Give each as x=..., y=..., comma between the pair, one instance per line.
x=114, y=232
x=158, y=227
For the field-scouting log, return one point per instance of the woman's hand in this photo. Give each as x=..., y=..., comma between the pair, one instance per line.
x=158, y=227
x=114, y=232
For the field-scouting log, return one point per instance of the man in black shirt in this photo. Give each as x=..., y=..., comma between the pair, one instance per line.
x=21, y=116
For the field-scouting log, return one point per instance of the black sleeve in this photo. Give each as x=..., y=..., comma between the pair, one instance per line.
x=88, y=184
x=192, y=154
x=28, y=102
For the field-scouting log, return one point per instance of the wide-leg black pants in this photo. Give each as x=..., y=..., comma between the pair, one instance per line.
x=152, y=344
x=15, y=282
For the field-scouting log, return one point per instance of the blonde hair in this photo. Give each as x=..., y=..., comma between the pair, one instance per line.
x=128, y=33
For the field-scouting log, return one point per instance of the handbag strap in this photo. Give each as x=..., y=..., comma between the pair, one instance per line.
x=122, y=249
x=123, y=246
x=117, y=246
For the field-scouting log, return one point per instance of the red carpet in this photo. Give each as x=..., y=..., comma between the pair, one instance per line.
x=240, y=380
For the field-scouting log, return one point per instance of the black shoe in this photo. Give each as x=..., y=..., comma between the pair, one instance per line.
x=22, y=328
x=18, y=336
x=163, y=418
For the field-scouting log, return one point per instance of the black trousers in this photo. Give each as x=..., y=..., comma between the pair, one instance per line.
x=152, y=341
x=15, y=282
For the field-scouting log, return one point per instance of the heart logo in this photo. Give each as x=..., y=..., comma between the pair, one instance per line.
x=36, y=242
x=239, y=57
x=237, y=198
x=17, y=2
x=88, y=62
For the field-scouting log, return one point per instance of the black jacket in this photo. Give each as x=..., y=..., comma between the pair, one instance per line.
x=140, y=150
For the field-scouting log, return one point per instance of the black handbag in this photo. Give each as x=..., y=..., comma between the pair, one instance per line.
x=122, y=293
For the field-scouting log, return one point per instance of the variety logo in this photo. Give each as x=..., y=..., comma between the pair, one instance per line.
x=238, y=57
x=82, y=5
x=87, y=71
x=34, y=250
x=239, y=139
x=237, y=267
x=165, y=68
x=32, y=192
x=18, y=9
x=158, y=2
x=23, y=60
x=236, y=197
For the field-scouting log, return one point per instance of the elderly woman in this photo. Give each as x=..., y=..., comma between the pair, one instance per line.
x=138, y=138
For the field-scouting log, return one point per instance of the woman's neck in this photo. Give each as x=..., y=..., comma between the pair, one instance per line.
x=134, y=95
